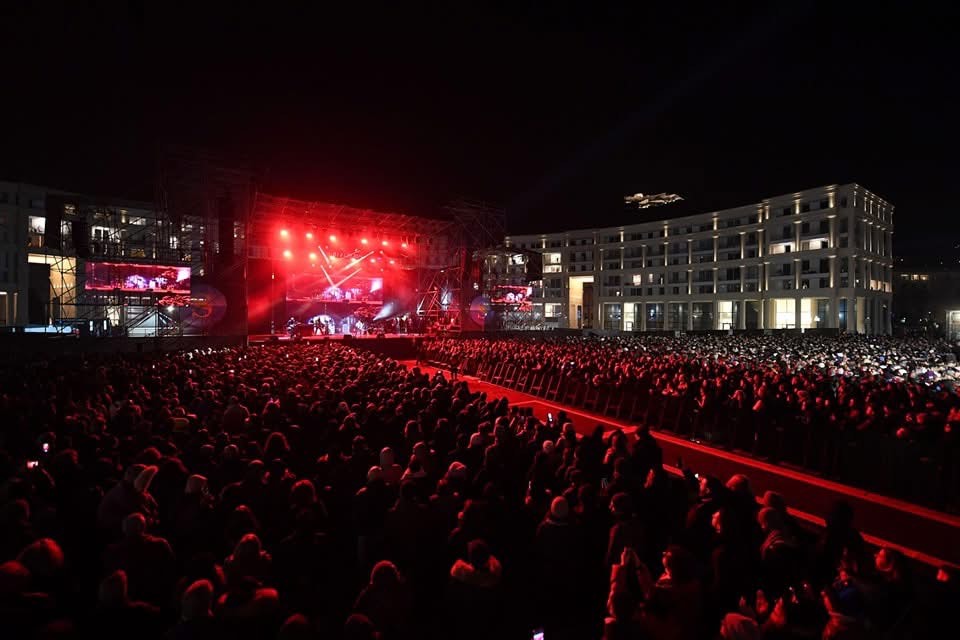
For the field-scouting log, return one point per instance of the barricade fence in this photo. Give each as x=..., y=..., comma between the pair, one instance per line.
x=877, y=462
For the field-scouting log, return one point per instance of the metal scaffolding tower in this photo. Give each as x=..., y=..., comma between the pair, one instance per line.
x=449, y=294
x=81, y=230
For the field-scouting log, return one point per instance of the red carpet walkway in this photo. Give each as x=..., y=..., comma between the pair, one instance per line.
x=924, y=534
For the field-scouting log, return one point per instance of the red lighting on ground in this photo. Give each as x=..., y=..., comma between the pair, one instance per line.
x=284, y=233
x=333, y=238
x=309, y=236
x=287, y=254
x=363, y=241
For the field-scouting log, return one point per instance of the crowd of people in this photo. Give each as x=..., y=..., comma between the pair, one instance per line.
x=321, y=491
x=837, y=405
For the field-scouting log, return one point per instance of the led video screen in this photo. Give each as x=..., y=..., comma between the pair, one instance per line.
x=303, y=287
x=511, y=294
x=135, y=278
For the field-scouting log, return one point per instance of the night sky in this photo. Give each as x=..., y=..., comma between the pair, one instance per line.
x=553, y=113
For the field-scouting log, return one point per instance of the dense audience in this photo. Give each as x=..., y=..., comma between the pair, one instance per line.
x=308, y=491
x=832, y=404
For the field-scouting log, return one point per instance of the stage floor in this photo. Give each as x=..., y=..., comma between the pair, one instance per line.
x=278, y=337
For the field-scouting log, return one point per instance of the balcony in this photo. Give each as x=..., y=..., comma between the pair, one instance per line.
x=814, y=245
x=778, y=248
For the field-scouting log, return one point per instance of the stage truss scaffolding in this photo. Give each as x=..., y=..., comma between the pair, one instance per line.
x=102, y=230
x=517, y=271
x=475, y=226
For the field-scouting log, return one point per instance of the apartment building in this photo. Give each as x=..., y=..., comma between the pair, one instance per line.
x=819, y=258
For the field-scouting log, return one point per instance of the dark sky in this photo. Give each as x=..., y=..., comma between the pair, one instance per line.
x=555, y=113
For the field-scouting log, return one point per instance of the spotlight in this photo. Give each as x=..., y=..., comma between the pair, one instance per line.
x=284, y=233
x=309, y=236
x=363, y=241
x=170, y=309
x=333, y=238
x=391, y=261
x=403, y=245
x=313, y=257
x=385, y=243
x=287, y=254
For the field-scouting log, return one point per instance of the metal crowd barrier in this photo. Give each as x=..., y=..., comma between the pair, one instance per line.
x=914, y=471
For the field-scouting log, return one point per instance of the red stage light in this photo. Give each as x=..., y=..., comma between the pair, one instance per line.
x=287, y=254
x=333, y=238
x=284, y=233
x=363, y=241
x=391, y=261
x=309, y=236
x=403, y=245
x=313, y=257
x=384, y=243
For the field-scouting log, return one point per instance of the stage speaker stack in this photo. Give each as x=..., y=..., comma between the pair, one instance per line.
x=266, y=291
x=230, y=276
x=81, y=237
x=534, y=267
x=54, y=210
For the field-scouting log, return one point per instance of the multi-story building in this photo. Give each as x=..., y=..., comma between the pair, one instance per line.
x=927, y=300
x=820, y=258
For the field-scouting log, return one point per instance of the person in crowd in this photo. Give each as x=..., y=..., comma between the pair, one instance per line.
x=117, y=616
x=387, y=602
x=196, y=614
x=475, y=591
x=147, y=561
x=248, y=560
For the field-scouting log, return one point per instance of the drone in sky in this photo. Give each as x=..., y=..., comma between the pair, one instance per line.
x=645, y=201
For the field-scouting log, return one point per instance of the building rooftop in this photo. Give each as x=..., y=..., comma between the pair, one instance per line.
x=664, y=208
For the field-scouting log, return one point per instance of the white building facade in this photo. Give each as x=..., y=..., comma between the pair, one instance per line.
x=816, y=259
